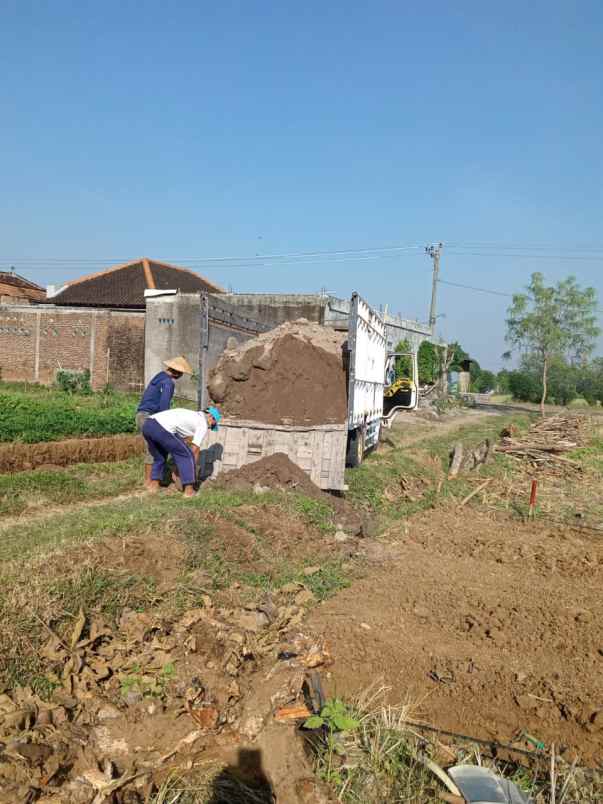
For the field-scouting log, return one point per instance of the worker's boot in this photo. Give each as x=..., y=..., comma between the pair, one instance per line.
x=147, y=474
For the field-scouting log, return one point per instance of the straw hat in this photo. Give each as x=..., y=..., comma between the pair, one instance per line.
x=180, y=364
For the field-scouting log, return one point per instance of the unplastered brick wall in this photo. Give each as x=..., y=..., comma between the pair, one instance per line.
x=35, y=342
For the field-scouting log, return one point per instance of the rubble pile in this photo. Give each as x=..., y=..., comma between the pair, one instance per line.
x=292, y=375
x=126, y=705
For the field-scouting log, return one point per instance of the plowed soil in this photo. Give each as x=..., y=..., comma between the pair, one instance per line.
x=491, y=626
x=292, y=375
x=15, y=457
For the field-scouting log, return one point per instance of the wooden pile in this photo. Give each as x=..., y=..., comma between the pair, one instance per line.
x=545, y=441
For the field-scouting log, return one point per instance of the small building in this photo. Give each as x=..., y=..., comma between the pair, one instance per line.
x=123, y=286
x=95, y=323
x=15, y=289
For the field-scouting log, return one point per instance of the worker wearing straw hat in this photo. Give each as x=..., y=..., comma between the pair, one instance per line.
x=157, y=397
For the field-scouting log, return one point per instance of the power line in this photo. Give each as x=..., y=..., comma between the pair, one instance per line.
x=471, y=287
x=459, y=248
x=562, y=257
x=523, y=246
x=486, y=290
x=100, y=266
x=248, y=258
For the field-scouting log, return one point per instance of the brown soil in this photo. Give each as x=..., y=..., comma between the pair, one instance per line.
x=489, y=625
x=277, y=471
x=15, y=457
x=163, y=692
x=292, y=375
x=274, y=471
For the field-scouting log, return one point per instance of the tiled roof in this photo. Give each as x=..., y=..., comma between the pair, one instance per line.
x=124, y=285
x=10, y=278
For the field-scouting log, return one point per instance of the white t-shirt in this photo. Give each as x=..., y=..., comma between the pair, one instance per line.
x=184, y=423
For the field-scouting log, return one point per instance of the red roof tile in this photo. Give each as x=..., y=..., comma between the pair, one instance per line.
x=124, y=285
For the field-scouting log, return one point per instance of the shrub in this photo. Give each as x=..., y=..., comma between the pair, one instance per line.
x=73, y=382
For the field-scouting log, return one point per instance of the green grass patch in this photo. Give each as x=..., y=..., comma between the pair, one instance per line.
x=330, y=579
x=316, y=513
x=31, y=415
x=167, y=513
x=470, y=435
x=591, y=456
x=31, y=491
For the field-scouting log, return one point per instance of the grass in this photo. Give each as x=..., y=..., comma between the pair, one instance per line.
x=30, y=414
x=421, y=467
x=52, y=567
x=40, y=489
x=33, y=413
x=54, y=595
x=383, y=758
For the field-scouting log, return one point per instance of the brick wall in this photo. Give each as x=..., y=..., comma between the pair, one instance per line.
x=37, y=341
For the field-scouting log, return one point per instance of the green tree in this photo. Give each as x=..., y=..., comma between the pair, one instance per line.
x=486, y=381
x=502, y=382
x=431, y=362
x=553, y=321
x=457, y=355
x=403, y=364
x=589, y=383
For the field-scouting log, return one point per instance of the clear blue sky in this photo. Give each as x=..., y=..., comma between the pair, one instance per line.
x=191, y=130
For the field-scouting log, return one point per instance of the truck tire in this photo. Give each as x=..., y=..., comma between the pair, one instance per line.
x=355, y=452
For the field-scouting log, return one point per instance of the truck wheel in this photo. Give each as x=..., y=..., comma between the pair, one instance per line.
x=355, y=448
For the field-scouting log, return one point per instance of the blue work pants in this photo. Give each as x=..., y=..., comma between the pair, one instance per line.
x=162, y=443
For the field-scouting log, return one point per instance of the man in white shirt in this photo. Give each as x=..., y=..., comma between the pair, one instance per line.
x=165, y=432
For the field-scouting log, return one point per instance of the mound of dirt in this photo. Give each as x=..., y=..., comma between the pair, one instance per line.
x=15, y=457
x=279, y=472
x=275, y=472
x=294, y=374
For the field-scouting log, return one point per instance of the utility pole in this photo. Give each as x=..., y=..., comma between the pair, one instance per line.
x=434, y=252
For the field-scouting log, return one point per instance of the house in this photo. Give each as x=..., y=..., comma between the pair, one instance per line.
x=95, y=323
x=15, y=289
x=123, y=286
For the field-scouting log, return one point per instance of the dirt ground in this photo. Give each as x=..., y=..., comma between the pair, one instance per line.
x=488, y=625
x=491, y=626
x=48, y=455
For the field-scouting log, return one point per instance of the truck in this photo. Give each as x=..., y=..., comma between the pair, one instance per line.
x=323, y=451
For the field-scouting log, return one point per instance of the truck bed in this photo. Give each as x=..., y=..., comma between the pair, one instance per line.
x=319, y=450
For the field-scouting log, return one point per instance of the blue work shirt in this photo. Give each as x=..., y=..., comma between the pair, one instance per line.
x=158, y=394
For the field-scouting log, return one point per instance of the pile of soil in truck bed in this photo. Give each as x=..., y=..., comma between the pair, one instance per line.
x=293, y=375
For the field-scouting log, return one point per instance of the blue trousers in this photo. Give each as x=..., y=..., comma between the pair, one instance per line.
x=161, y=443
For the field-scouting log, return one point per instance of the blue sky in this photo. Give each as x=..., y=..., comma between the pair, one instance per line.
x=196, y=130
